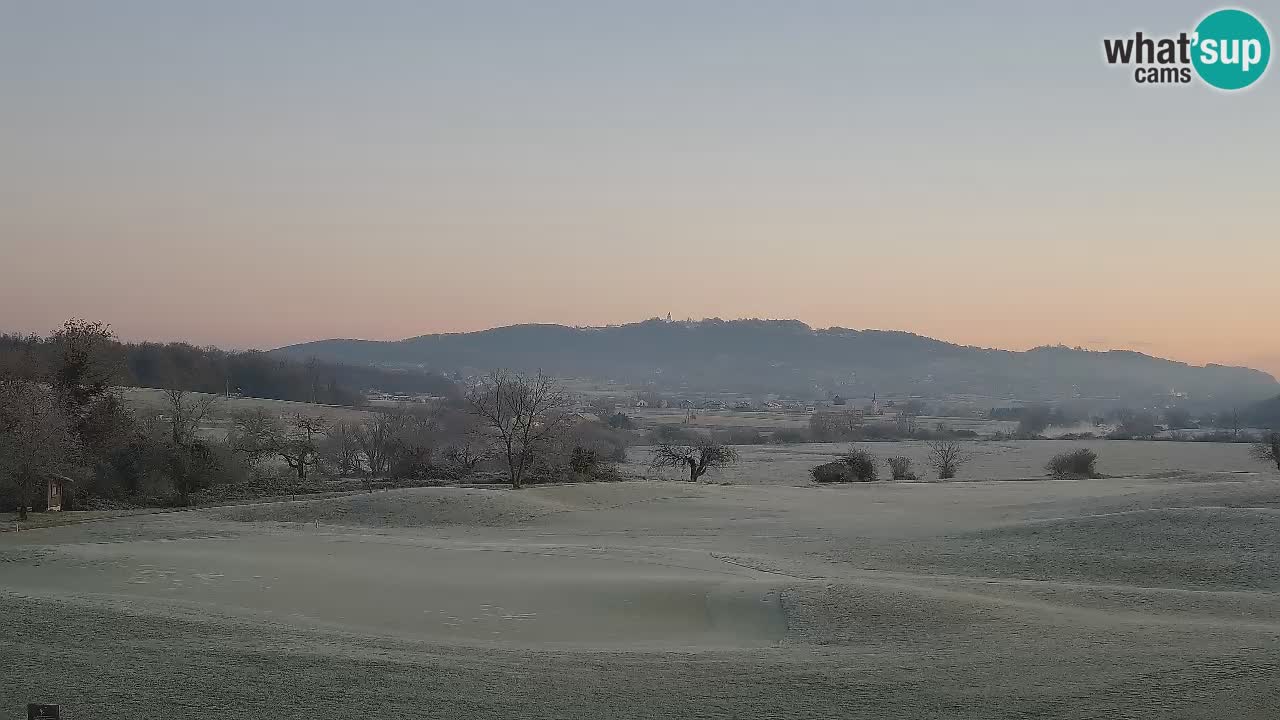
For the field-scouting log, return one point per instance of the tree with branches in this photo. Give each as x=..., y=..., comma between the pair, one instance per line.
x=467, y=442
x=189, y=460
x=525, y=412
x=36, y=440
x=698, y=457
x=414, y=444
x=339, y=451
x=186, y=411
x=87, y=363
x=946, y=457
x=295, y=440
x=1231, y=420
x=376, y=437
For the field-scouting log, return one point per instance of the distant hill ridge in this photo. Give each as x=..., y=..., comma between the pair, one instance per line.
x=1264, y=414
x=788, y=356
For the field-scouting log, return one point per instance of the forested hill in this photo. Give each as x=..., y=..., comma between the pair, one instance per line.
x=1264, y=414
x=202, y=369
x=787, y=356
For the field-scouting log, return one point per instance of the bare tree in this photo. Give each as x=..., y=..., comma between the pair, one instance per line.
x=946, y=457
x=376, y=438
x=296, y=441
x=526, y=412
x=852, y=420
x=414, y=443
x=1231, y=421
x=339, y=450
x=36, y=440
x=300, y=442
x=698, y=457
x=186, y=412
x=467, y=443
x=1267, y=449
x=187, y=458
x=908, y=419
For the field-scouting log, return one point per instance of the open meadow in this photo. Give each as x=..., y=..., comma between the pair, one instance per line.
x=987, y=459
x=152, y=401
x=1152, y=594
x=773, y=420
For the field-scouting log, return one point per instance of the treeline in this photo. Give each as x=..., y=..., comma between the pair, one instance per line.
x=852, y=425
x=1035, y=419
x=211, y=370
x=1264, y=414
x=61, y=418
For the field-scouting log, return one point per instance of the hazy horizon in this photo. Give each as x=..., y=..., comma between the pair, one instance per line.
x=249, y=176
x=274, y=346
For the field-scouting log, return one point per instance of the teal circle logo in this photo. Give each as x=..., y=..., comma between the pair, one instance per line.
x=1231, y=49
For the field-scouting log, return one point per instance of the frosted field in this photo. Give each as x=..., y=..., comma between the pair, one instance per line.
x=155, y=401
x=769, y=420
x=992, y=460
x=1119, y=597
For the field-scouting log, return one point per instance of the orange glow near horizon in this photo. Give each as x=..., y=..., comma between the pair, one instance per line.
x=386, y=175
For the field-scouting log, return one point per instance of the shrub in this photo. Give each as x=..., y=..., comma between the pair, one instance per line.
x=830, y=472
x=1267, y=449
x=900, y=467
x=607, y=443
x=583, y=460
x=1077, y=463
x=862, y=465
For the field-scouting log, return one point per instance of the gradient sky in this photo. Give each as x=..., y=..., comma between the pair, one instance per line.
x=259, y=173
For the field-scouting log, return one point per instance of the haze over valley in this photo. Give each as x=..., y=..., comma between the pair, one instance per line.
x=789, y=357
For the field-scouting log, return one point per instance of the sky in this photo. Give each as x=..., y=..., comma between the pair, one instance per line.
x=253, y=174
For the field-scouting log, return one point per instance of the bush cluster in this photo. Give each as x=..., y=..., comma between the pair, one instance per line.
x=862, y=465
x=857, y=465
x=831, y=472
x=900, y=469
x=1080, y=463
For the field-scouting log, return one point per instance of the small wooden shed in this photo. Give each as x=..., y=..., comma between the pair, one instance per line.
x=56, y=490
